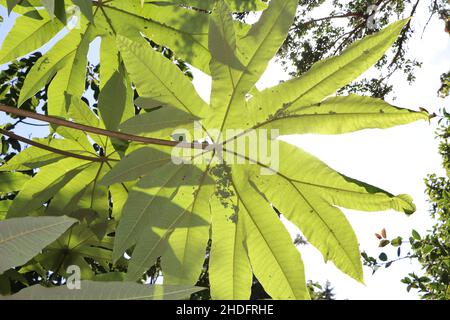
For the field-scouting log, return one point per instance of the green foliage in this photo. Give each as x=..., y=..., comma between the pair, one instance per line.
x=433, y=249
x=98, y=290
x=319, y=292
x=12, y=79
x=165, y=210
x=444, y=91
x=29, y=234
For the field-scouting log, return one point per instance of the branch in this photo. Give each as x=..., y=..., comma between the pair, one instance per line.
x=347, y=36
x=408, y=256
x=347, y=15
x=404, y=36
x=51, y=149
x=102, y=132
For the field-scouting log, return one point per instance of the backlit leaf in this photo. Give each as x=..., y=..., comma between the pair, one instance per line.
x=99, y=290
x=31, y=235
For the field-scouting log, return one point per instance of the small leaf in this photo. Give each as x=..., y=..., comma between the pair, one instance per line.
x=428, y=248
x=70, y=79
x=406, y=280
x=416, y=235
x=384, y=243
x=397, y=242
x=115, y=101
x=4, y=207
x=383, y=257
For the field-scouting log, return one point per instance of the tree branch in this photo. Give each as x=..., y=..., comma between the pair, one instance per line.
x=404, y=36
x=51, y=149
x=102, y=132
x=347, y=15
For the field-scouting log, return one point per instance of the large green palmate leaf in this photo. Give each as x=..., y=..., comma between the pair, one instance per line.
x=81, y=242
x=23, y=238
x=240, y=191
x=163, y=204
x=98, y=290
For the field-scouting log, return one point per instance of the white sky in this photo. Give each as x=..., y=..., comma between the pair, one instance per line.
x=396, y=159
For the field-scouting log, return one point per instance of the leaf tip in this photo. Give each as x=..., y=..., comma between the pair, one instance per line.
x=406, y=204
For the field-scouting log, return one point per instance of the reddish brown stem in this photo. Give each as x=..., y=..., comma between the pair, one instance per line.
x=102, y=132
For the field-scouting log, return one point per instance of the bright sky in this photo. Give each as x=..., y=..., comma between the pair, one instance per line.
x=396, y=159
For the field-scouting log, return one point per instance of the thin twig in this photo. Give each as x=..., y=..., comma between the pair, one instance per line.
x=34, y=124
x=51, y=149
